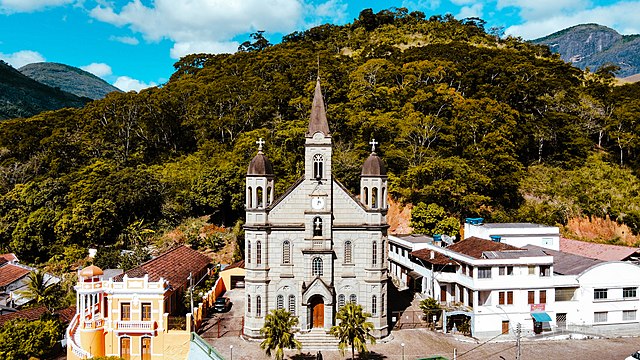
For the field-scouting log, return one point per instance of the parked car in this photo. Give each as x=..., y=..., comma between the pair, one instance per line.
x=222, y=304
x=634, y=356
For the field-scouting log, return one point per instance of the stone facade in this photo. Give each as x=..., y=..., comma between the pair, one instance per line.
x=317, y=246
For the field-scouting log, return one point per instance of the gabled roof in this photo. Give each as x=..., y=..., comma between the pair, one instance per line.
x=173, y=266
x=565, y=263
x=604, y=252
x=65, y=315
x=8, y=257
x=10, y=273
x=318, y=121
x=239, y=264
x=473, y=247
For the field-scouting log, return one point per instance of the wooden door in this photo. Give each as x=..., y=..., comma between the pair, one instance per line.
x=505, y=327
x=317, y=311
x=146, y=348
x=125, y=348
x=443, y=293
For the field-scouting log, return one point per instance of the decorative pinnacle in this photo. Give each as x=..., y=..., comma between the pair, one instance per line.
x=373, y=143
x=260, y=142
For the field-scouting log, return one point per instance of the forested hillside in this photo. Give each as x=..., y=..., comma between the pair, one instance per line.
x=481, y=126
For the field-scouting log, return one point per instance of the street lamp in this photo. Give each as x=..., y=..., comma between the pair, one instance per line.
x=231, y=350
x=402, y=350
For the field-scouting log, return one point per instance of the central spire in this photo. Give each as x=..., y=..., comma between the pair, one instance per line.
x=318, y=121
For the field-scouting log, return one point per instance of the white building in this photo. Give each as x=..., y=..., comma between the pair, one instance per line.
x=317, y=246
x=400, y=265
x=516, y=234
x=497, y=286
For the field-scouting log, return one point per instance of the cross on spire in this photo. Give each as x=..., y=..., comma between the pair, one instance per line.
x=373, y=143
x=318, y=224
x=260, y=142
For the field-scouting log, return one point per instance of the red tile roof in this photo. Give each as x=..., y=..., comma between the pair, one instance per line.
x=65, y=315
x=10, y=273
x=239, y=264
x=604, y=252
x=9, y=257
x=174, y=266
x=473, y=247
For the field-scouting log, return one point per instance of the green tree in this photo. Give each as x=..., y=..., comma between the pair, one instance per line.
x=430, y=307
x=278, y=333
x=432, y=219
x=23, y=339
x=353, y=329
x=41, y=289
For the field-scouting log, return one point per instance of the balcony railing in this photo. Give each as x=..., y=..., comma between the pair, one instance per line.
x=134, y=325
x=71, y=341
x=93, y=324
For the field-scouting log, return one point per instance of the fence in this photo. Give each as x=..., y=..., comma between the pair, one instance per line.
x=409, y=319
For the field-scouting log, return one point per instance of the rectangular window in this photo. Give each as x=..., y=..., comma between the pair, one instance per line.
x=545, y=270
x=532, y=269
x=565, y=294
x=509, y=270
x=629, y=292
x=531, y=298
x=463, y=269
x=543, y=296
x=629, y=315
x=125, y=312
x=484, y=273
x=292, y=305
x=502, y=270
x=146, y=311
x=600, y=317
x=501, y=297
x=599, y=294
x=509, y=297
x=505, y=297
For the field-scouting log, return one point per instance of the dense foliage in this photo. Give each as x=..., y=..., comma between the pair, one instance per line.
x=465, y=120
x=23, y=339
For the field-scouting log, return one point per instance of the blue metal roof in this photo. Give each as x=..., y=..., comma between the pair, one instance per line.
x=541, y=317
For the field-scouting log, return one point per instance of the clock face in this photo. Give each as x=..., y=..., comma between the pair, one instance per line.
x=317, y=203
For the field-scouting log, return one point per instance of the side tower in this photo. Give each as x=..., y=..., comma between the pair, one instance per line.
x=259, y=196
x=373, y=181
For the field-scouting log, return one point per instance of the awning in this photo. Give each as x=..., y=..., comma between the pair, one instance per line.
x=414, y=275
x=541, y=317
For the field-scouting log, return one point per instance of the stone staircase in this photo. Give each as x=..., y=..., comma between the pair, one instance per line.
x=317, y=339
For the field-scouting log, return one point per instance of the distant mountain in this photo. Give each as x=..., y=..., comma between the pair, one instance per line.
x=21, y=96
x=69, y=78
x=593, y=45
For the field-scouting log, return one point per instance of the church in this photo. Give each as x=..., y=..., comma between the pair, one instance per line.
x=316, y=247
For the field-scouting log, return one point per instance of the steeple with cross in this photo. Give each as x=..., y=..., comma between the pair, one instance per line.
x=260, y=142
x=373, y=143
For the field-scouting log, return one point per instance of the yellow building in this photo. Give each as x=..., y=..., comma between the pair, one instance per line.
x=135, y=315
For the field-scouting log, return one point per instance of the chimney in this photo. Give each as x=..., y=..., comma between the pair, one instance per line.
x=433, y=255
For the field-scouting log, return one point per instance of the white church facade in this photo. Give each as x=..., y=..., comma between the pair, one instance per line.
x=316, y=247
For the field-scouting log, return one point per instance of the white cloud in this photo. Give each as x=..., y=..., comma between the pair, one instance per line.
x=98, y=69
x=542, y=9
x=413, y=5
x=622, y=16
x=334, y=11
x=474, y=10
x=203, y=25
x=184, y=48
x=21, y=58
x=129, y=40
x=13, y=6
x=126, y=83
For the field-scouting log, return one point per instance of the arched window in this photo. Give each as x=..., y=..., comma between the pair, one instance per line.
x=280, y=302
x=382, y=304
x=317, y=266
x=318, y=162
x=374, y=253
x=374, y=305
x=286, y=252
x=258, y=306
x=340, y=301
x=259, y=196
x=374, y=198
x=347, y=252
x=248, y=252
x=366, y=196
x=292, y=305
x=248, y=304
x=258, y=252
x=268, y=195
x=383, y=199
x=249, y=197
x=353, y=299
x=317, y=226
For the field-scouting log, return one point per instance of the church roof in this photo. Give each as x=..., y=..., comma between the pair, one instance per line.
x=260, y=165
x=318, y=121
x=374, y=166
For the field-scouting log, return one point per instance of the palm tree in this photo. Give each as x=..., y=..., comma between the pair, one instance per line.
x=353, y=329
x=41, y=289
x=278, y=333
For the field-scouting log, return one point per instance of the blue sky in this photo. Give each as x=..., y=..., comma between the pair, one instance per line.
x=134, y=43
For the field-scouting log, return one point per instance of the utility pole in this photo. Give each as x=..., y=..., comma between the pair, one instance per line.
x=518, y=331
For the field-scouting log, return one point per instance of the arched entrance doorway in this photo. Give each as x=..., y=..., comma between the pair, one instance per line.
x=317, y=312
